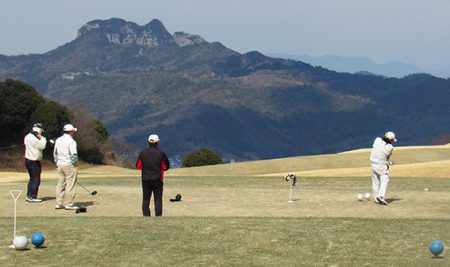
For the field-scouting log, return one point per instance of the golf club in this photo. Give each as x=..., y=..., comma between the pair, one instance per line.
x=92, y=193
x=52, y=142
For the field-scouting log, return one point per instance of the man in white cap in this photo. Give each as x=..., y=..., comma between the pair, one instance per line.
x=380, y=159
x=153, y=162
x=34, y=145
x=66, y=157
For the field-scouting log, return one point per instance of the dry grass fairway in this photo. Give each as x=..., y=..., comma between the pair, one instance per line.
x=238, y=215
x=256, y=188
x=247, y=197
x=427, y=161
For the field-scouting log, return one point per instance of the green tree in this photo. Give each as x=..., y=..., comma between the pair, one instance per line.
x=21, y=106
x=18, y=101
x=100, y=130
x=52, y=115
x=201, y=157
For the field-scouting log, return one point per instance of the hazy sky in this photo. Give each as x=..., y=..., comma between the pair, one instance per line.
x=410, y=31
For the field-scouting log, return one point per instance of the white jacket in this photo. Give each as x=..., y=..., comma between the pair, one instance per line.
x=65, y=151
x=381, y=152
x=34, y=147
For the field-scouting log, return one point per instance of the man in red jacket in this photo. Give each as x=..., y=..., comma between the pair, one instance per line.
x=153, y=162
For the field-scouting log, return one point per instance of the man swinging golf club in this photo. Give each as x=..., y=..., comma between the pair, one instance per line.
x=66, y=157
x=380, y=161
x=153, y=162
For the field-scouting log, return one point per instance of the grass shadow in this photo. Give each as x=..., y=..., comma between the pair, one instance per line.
x=390, y=200
x=86, y=203
x=23, y=249
x=48, y=198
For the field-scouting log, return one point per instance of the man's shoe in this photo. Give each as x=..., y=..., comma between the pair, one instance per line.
x=31, y=199
x=71, y=207
x=58, y=207
x=382, y=201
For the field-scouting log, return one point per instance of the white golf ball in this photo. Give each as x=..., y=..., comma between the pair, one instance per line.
x=20, y=242
x=367, y=195
x=426, y=189
x=360, y=196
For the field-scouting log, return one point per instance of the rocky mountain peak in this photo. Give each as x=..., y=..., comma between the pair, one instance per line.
x=121, y=32
x=103, y=25
x=157, y=26
x=183, y=39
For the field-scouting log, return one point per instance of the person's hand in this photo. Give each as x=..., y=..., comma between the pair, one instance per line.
x=74, y=160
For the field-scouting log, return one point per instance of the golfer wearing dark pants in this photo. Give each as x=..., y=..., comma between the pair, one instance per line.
x=147, y=188
x=34, y=170
x=153, y=162
x=34, y=145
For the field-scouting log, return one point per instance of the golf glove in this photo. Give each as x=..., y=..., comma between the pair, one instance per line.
x=74, y=159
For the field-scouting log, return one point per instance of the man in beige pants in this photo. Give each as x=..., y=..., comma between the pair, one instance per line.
x=66, y=156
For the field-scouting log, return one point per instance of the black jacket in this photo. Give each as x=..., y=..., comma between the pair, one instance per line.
x=153, y=162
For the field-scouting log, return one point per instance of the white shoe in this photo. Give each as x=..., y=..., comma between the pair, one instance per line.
x=71, y=207
x=58, y=207
x=30, y=199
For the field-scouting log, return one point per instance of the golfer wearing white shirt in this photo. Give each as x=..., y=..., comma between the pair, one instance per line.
x=66, y=156
x=380, y=159
x=34, y=145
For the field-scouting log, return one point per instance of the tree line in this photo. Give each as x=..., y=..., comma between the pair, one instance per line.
x=21, y=106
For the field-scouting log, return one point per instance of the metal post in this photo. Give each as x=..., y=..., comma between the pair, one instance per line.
x=15, y=197
x=290, y=195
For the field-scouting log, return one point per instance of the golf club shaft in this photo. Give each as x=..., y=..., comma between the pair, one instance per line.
x=84, y=188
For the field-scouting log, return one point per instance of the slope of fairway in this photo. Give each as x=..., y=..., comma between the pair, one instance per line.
x=418, y=161
x=430, y=161
x=98, y=171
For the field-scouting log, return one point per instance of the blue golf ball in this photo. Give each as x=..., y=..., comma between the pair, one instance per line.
x=436, y=247
x=37, y=239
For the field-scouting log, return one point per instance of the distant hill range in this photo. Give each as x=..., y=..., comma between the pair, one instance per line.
x=360, y=65
x=193, y=93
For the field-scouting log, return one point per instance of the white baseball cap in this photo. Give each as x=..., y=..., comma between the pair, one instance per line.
x=153, y=138
x=69, y=128
x=37, y=127
x=390, y=136
x=37, y=130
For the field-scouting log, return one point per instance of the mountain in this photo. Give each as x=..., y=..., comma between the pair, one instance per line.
x=142, y=79
x=356, y=65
